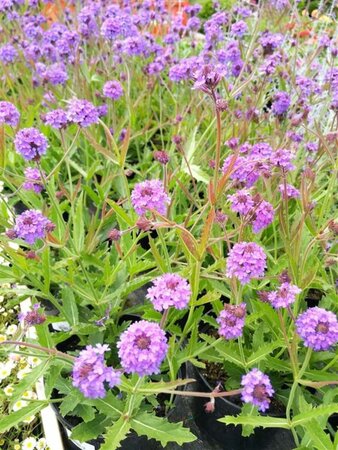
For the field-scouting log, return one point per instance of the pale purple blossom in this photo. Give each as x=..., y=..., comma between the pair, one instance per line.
x=90, y=372
x=169, y=290
x=257, y=389
x=9, y=114
x=32, y=225
x=284, y=296
x=30, y=143
x=82, y=112
x=231, y=321
x=150, y=195
x=318, y=328
x=33, y=180
x=113, y=90
x=246, y=261
x=142, y=348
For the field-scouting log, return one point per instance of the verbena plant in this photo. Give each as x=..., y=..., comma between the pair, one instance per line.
x=142, y=147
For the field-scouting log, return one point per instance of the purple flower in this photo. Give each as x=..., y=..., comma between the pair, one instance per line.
x=55, y=74
x=239, y=28
x=33, y=317
x=207, y=78
x=281, y=103
x=30, y=143
x=8, y=54
x=257, y=389
x=242, y=201
x=169, y=290
x=318, y=328
x=113, y=90
x=291, y=191
x=33, y=180
x=246, y=260
x=142, y=348
x=9, y=114
x=284, y=296
x=32, y=225
x=90, y=372
x=282, y=158
x=270, y=41
x=148, y=195
x=231, y=321
x=263, y=216
x=56, y=118
x=82, y=112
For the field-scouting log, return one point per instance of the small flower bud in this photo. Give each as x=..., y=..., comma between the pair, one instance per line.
x=284, y=277
x=11, y=234
x=161, y=156
x=114, y=234
x=177, y=139
x=221, y=104
x=144, y=224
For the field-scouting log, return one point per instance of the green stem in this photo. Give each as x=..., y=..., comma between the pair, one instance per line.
x=50, y=351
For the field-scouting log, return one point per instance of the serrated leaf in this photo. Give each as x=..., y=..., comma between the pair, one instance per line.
x=160, y=429
x=110, y=405
x=7, y=422
x=153, y=387
x=319, y=438
x=121, y=212
x=69, y=403
x=263, y=352
x=90, y=430
x=30, y=379
x=260, y=421
x=115, y=434
x=78, y=225
x=323, y=410
x=69, y=306
x=229, y=352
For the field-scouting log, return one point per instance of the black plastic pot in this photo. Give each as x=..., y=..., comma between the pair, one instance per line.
x=229, y=437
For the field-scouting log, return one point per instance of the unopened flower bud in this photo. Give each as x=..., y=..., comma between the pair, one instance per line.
x=11, y=234
x=144, y=224
x=114, y=234
x=221, y=104
x=284, y=277
x=161, y=156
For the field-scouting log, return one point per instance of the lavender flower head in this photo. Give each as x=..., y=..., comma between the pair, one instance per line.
x=33, y=317
x=90, y=372
x=113, y=90
x=231, y=321
x=33, y=180
x=289, y=192
x=263, y=216
x=148, y=195
x=82, y=112
x=169, y=290
x=257, y=389
x=9, y=115
x=318, y=328
x=241, y=202
x=284, y=296
x=56, y=118
x=281, y=103
x=30, y=143
x=246, y=260
x=207, y=78
x=142, y=348
x=32, y=225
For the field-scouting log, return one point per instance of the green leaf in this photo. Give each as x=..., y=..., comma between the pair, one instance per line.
x=323, y=410
x=69, y=306
x=110, y=405
x=263, y=352
x=86, y=431
x=319, y=438
x=160, y=429
x=44, y=335
x=260, y=421
x=78, y=227
x=69, y=403
x=7, y=422
x=116, y=434
x=121, y=212
x=30, y=379
x=229, y=352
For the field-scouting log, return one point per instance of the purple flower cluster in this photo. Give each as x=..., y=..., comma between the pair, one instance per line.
x=289, y=192
x=150, y=195
x=231, y=321
x=142, y=348
x=82, y=112
x=242, y=201
x=113, y=90
x=263, y=216
x=281, y=103
x=9, y=115
x=30, y=143
x=33, y=317
x=90, y=372
x=318, y=328
x=33, y=180
x=257, y=389
x=169, y=290
x=32, y=225
x=246, y=261
x=284, y=296
x=56, y=118
x=8, y=54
